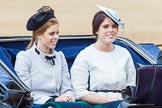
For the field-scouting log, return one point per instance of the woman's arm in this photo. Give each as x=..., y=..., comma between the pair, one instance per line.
x=96, y=99
x=66, y=86
x=22, y=68
x=80, y=77
x=131, y=71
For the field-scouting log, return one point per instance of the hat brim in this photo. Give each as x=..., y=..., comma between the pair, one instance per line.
x=112, y=14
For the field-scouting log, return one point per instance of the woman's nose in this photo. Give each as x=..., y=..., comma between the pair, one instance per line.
x=56, y=36
x=110, y=28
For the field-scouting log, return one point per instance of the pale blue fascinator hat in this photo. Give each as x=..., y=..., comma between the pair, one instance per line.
x=113, y=15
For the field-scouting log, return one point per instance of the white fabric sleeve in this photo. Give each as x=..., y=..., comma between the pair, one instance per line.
x=131, y=71
x=80, y=76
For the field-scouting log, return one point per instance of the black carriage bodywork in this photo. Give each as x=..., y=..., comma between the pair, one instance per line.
x=70, y=45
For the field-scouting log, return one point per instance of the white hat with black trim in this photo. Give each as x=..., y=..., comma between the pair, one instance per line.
x=113, y=15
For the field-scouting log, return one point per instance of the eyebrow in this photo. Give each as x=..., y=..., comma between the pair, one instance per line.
x=109, y=24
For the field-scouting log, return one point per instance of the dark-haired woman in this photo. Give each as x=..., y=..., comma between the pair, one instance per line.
x=103, y=69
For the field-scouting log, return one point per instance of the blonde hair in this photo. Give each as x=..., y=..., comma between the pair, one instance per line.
x=41, y=30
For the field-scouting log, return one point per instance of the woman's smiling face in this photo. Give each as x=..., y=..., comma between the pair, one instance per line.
x=50, y=37
x=107, y=31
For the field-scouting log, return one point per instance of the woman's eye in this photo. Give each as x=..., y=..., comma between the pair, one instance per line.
x=105, y=26
x=52, y=33
x=114, y=26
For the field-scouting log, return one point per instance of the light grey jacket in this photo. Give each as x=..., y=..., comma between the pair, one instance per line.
x=41, y=77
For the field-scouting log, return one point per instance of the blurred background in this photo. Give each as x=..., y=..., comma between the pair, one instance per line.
x=142, y=17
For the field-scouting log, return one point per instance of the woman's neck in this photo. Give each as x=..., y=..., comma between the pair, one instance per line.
x=44, y=49
x=104, y=47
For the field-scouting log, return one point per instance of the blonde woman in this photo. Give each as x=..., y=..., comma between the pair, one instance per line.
x=41, y=67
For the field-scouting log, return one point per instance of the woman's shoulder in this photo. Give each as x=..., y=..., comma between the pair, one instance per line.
x=26, y=53
x=87, y=49
x=121, y=49
x=60, y=53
